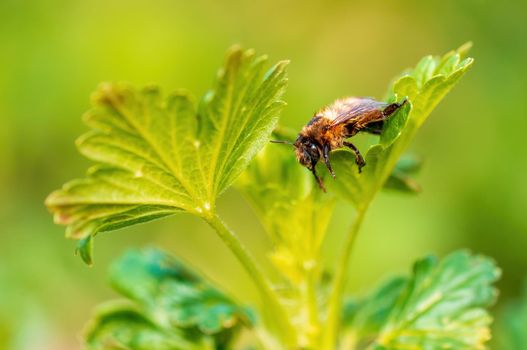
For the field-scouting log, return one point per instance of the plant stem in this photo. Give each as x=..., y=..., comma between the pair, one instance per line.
x=311, y=304
x=335, y=303
x=329, y=337
x=268, y=295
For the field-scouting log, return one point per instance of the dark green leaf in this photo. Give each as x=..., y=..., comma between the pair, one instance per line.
x=364, y=319
x=402, y=183
x=368, y=316
x=176, y=298
x=400, y=179
x=85, y=249
x=121, y=327
x=409, y=164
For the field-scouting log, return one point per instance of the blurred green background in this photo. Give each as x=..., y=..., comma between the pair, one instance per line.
x=55, y=52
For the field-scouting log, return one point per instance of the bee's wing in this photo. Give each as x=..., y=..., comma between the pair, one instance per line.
x=354, y=107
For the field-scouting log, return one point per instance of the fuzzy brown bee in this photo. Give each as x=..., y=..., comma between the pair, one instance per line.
x=329, y=128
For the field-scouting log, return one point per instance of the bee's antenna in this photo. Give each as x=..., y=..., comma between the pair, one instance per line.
x=280, y=141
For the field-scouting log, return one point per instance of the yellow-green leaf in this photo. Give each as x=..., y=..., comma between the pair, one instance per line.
x=443, y=305
x=424, y=87
x=157, y=156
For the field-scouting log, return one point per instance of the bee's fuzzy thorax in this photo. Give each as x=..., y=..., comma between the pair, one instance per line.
x=322, y=132
x=335, y=109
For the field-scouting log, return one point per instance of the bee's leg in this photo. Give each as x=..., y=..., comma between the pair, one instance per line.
x=358, y=157
x=319, y=180
x=325, y=154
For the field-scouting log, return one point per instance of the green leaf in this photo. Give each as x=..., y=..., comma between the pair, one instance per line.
x=175, y=297
x=442, y=305
x=424, y=87
x=158, y=156
x=118, y=326
x=85, y=250
x=400, y=179
x=511, y=330
x=168, y=307
x=366, y=317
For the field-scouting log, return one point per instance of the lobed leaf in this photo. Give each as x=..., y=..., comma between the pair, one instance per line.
x=172, y=293
x=424, y=87
x=122, y=327
x=441, y=306
x=364, y=319
x=159, y=156
x=169, y=300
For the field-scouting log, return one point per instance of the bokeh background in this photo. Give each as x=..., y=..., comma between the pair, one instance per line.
x=53, y=53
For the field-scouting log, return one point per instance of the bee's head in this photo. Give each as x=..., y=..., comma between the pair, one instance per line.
x=307, y=152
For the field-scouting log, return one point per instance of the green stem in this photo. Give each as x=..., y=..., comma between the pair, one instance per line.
x=311, y=267
x=329, y=338
x=312, y=308
x=335, y=303
x=270, y=298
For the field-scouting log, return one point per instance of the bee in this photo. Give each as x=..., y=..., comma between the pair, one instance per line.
x=331, y=126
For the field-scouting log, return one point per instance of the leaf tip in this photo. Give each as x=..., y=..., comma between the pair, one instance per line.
x=85, y=250
x=49, y=201
x=283, y=63
x=467, y=63
x=235, y=52
x=109, y=93
x=464, y=49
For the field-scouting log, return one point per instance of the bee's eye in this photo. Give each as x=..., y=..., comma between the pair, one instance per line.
x=306, y=159
x=313, y=147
